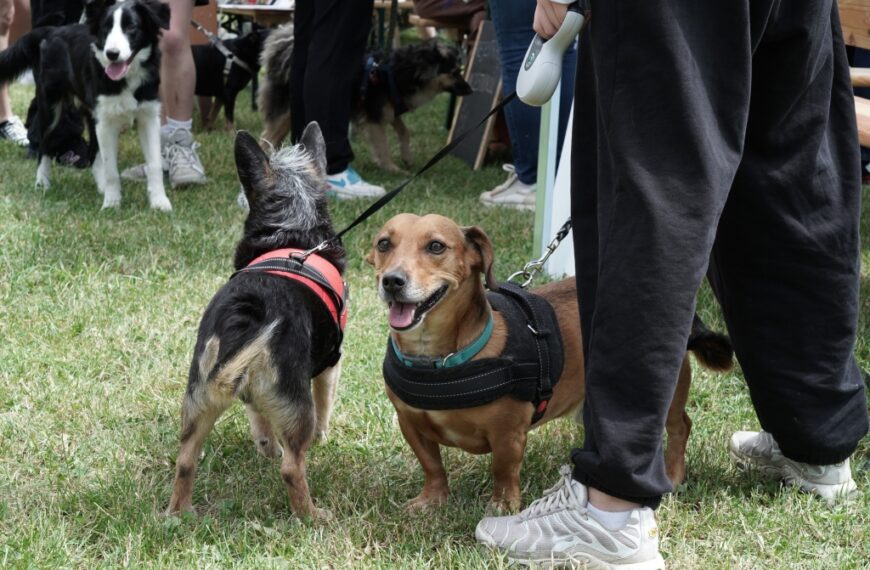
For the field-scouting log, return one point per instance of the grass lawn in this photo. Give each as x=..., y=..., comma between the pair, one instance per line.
x=98, y=315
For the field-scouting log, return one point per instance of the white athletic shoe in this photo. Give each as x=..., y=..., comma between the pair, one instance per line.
x=348, y=185
x=138, y=172
x=13, y=129
x=511, y=193
x=184, y=164
x=758, y=451
x=557, y=531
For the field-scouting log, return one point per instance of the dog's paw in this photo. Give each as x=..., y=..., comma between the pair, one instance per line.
x=320, y=435
x=425, y=502
x=111, y=201
x=180, y=511
x=42, y=182
x=160, y=203
x=500, y=507
x=391, y=167
x=322, y=515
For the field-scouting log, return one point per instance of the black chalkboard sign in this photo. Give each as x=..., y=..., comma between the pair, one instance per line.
x=483, y=73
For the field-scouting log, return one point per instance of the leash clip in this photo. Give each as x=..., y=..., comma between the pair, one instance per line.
x=306, y=254
x=531, y=269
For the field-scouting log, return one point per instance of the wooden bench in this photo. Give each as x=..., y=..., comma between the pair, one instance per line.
x=855, y=19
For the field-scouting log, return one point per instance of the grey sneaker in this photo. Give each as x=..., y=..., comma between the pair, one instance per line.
x=758, y=451
x=557, y=531
x=184, y=164
x=12, y=129
x=138, y=173
x=511, y=193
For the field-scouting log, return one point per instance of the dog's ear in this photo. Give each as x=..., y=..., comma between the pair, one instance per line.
x=155, y=12
x=312, y=140
x=253, y=167
x=93, y=12
x=479, y=243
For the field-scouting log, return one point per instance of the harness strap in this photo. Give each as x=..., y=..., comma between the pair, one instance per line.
x=230, y=57
x=539, y=332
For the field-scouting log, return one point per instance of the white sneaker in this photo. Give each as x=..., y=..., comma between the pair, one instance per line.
x=13, y=129
x=752, y=450
x=348, y=185
x=511, y=193
x=557, y=530
x=139, y=172
x=184, y=164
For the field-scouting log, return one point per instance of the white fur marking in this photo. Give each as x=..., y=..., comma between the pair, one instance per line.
x=43, y=173
x=117, y=39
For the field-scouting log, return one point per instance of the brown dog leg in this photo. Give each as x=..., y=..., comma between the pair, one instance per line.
x=507, y=459
x=404, y=141
x=197, y=421
x=678, y=427
x=380, y=148
x=265, y=441
x=297, y=431
x=274, y=132
x=323, y=387
x=435, y=490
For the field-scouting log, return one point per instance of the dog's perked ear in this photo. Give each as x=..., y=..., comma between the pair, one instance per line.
x=252, y=164
x=155, y=12
x=480, y=245
x=94, y=10
x=312, y=140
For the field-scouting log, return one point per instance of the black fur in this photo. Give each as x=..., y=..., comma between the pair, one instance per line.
x=210, y=64
x=250, y=301
x=413, y=67
x=713, y=349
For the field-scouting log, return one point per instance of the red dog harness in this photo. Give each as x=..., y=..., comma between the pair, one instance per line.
x=318, y=274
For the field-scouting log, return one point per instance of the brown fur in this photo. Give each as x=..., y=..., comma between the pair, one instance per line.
x=499, y=427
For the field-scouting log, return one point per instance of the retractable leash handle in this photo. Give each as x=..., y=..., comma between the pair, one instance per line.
x=542, y=66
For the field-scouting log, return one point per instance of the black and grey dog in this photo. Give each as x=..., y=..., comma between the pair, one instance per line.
x=266, y=335
x=224, y=69
x=110, y=68
x=390, y=85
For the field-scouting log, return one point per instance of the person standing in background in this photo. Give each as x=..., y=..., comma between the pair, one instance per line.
x=11, y=127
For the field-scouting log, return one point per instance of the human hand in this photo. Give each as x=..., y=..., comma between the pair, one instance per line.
x=549, y=16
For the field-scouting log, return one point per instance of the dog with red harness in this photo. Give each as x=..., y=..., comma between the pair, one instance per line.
x=271, y=336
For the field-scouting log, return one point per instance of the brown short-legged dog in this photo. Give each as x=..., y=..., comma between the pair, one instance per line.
x=265, y=338
x=429, y=273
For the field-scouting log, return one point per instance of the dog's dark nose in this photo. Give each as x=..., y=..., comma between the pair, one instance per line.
x=113, y=54
x=393, y=282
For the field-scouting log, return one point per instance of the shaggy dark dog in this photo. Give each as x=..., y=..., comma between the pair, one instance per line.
x=405, y=79
x=267, y=339
x=215, y=79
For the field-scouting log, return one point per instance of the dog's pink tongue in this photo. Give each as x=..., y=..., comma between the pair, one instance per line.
x=116, y=70
x=401, y=315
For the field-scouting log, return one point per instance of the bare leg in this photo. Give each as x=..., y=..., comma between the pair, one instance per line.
x=7, y=13
x=177, y=71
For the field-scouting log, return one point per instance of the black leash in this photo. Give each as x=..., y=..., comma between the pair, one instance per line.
x=231, y=58
x=386, y=198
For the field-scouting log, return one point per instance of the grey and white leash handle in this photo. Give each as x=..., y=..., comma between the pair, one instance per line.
x=541, y=70
x=531, y=269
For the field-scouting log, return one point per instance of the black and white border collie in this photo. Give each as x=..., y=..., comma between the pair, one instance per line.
x=110, y=68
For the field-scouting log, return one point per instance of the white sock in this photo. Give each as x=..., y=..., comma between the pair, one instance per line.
x=172, y=125
x=611, y=520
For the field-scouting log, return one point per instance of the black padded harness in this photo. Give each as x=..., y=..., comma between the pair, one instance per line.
x=527, y=369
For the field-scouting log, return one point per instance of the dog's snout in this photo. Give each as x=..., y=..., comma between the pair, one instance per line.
x=393, y=282
x=113, y=54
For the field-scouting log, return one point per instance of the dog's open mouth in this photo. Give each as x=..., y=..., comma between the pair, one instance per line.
x=405, y=315
x=118, y=69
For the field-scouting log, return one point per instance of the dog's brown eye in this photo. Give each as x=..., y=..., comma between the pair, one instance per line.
x=436, y=247
x=383, y=245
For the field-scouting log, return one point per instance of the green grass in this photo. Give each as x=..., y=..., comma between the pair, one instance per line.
x=98, y=315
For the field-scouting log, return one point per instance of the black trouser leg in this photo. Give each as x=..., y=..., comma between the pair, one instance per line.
x=331, y=36
x=658, y=139
x=785, y=265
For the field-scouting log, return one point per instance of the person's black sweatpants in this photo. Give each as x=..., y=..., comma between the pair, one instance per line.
x=715, y=137
x=328, y=58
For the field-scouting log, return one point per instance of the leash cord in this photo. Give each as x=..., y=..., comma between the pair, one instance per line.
x=386, y=198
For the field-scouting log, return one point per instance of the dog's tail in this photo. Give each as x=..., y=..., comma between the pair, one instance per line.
x=22, y=55
x=712, y=349
x=231, y=375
